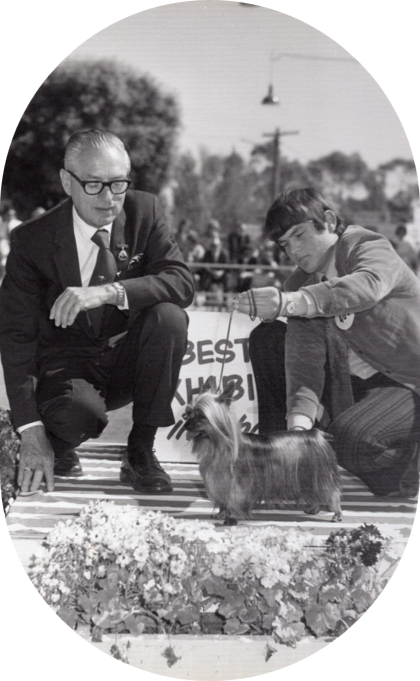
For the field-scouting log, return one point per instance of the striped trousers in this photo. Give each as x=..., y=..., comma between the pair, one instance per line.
x=377, y=439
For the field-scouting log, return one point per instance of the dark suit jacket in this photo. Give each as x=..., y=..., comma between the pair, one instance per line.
x=43, y=262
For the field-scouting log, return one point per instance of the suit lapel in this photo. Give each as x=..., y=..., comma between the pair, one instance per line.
x=65, y=253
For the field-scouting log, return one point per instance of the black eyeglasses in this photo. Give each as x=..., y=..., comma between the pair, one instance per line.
x=93, y=187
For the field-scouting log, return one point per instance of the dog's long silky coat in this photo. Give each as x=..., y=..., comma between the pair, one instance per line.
x=241, y=470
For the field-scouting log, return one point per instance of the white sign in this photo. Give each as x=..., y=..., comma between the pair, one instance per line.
x=208, y=347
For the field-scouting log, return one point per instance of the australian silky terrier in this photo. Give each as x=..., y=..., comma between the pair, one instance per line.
x=241, y=470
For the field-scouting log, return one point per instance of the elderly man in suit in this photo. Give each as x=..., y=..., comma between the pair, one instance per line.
x=92, y=319
x=352, y=342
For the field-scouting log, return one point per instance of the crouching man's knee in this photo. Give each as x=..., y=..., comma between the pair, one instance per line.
x=76, y=415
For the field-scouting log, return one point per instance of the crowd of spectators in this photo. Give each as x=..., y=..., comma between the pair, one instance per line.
x=405, y=248
x=8, y=221
x=261, y=261
x=256, y=262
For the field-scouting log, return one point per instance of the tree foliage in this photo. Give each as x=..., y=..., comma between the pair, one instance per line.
x=90, y=94
x=233, y=189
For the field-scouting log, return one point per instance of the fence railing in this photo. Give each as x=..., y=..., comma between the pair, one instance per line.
x=221, y=298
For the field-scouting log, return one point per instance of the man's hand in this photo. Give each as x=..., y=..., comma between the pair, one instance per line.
x=267, y=301
x=36, y=460
x=75, y=299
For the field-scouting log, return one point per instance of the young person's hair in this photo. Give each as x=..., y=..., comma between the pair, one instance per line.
x=295, y=206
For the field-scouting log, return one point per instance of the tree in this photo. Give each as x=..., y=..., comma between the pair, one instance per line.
x=187, y=197
x=90, y=94
x=232, y=193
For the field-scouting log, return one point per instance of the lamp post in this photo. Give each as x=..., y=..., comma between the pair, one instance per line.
x=275, y=180
x=270, y=99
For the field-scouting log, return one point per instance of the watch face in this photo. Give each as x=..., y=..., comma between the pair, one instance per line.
x=291, y=307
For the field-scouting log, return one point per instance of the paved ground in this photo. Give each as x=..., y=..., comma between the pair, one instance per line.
x=31, y=518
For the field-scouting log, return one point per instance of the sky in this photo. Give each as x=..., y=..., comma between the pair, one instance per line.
x=217, y=58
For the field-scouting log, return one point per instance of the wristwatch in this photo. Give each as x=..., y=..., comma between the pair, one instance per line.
x=290, y=308
x=120, y=294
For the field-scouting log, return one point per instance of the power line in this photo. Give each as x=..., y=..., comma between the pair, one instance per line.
x=315, y=57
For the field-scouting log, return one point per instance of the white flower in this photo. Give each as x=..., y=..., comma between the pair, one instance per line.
x=176, y=551
x=64, y=588
x=169, y=588
x=123, y=560
x=159, y=556
x=141, y=553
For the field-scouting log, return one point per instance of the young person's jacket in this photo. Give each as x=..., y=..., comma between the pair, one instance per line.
x=376, y=286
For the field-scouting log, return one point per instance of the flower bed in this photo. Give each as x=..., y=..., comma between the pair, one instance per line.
x=122, y=569
x=9, y=449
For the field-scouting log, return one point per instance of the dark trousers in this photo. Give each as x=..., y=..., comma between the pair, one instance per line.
x=266, y=350
x=77, y=387
x=377, y=439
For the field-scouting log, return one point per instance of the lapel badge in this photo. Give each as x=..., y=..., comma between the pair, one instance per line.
x=344, y=321
x=135, y=261
x=122, y=255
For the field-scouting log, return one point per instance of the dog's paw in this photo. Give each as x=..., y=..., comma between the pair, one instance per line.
x=219, y=514
x=230, y=520
x=337, y=517
x=313, y=509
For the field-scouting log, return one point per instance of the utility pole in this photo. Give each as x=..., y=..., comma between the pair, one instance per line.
x=276, y=175
x=270, y=99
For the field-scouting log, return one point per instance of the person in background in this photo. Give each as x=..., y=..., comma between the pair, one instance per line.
x=238, y=242
x=348, y=357
x=266, y=257
x=404, y=248
x=195, y=250
x=251, y=258
x=181, y=237
x=11, y=220
x=92, y=319
x=37, y=212
x=212, y=230
x=214, y=279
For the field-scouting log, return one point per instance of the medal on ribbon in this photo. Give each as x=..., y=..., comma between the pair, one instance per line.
x=122, y=255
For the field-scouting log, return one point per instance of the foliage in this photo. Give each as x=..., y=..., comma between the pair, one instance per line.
x=90, y=94
x=232, y=189
x=9, y=450
x=121, y=569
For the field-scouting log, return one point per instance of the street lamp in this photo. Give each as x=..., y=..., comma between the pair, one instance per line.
x=270, y=99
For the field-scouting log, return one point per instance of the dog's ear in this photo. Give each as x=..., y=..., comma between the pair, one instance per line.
x=227, y=394
x=209, y=385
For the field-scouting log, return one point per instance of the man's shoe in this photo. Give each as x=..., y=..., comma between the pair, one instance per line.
x=144, y=473
x=67, y=465
x=406, y=490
